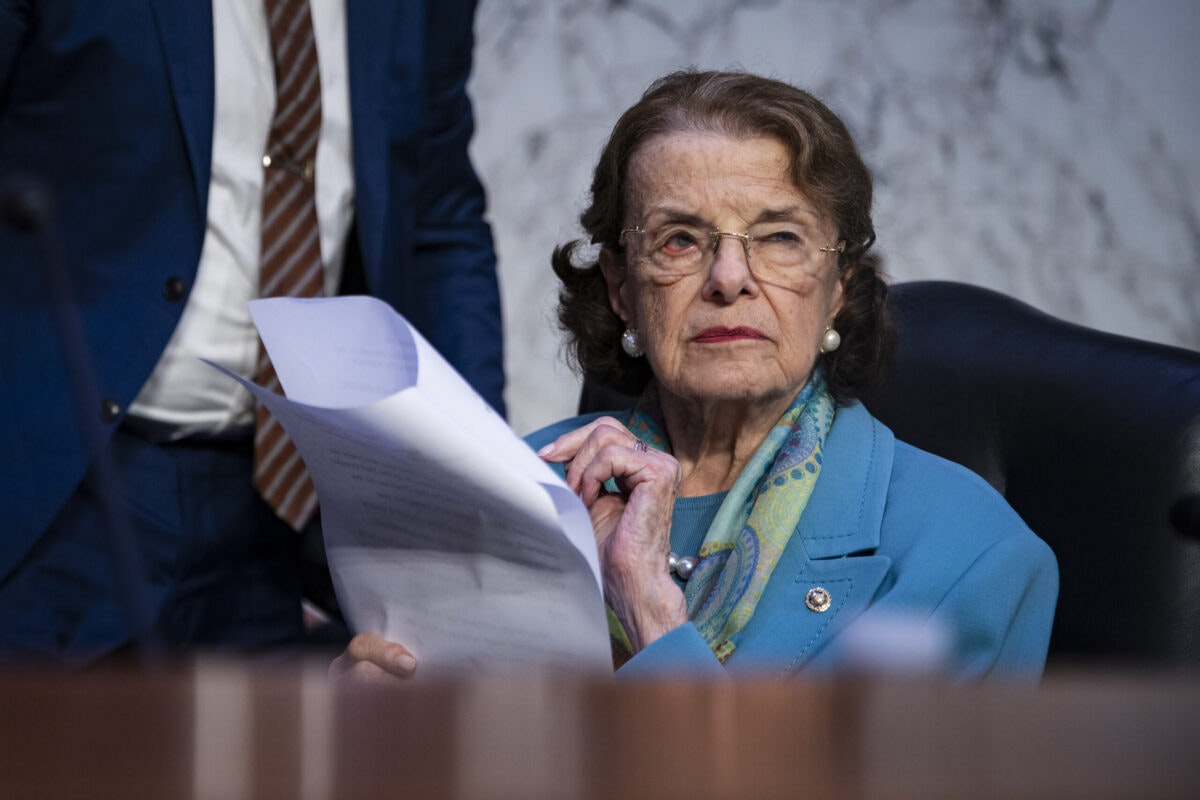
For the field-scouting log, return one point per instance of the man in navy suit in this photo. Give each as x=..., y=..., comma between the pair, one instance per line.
x=145, y=122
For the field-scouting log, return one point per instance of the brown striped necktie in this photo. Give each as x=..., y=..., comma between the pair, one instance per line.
x=290, y=264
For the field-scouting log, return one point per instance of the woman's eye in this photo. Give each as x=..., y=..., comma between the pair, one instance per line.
x=678, y=242
x=783, y=237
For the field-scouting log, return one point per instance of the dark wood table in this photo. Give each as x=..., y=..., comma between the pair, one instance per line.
x=232, y=729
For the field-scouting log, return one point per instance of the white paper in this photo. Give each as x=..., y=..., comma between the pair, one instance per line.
x=444, y=531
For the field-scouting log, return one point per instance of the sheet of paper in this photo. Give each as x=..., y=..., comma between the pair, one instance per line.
x=444, y=531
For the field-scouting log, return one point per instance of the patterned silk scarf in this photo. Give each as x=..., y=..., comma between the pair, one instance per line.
x=758, y=516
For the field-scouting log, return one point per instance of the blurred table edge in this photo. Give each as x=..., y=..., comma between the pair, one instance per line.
x=228, y=728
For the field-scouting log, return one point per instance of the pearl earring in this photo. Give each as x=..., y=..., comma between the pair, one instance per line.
x=831, y=341
x=631, y=343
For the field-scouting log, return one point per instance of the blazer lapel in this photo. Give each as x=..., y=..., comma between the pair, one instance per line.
x=787, y=630
x=832, y=553
x=185, y=30
x=384, y=51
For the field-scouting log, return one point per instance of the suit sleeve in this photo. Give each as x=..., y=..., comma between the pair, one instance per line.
x=1003, y=608
x=454, y=260
x=682, y=653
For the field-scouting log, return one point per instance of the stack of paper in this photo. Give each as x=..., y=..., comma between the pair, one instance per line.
x=445, y=532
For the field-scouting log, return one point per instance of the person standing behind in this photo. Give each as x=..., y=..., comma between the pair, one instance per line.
x=180, y=193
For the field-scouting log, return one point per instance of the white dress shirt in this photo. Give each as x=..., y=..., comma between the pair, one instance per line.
x=183, y=395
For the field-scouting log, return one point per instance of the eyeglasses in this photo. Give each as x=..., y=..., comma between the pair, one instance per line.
x=777, y=252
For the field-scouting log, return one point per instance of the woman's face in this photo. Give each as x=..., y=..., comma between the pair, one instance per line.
x=729, y=325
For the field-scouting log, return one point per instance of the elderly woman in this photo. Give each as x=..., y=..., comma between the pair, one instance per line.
x=749, y=513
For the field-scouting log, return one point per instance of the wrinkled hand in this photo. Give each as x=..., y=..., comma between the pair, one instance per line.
x=369, y=658
x=632, y=525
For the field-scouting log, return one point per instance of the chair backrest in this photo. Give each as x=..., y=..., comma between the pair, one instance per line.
x=1093, y=438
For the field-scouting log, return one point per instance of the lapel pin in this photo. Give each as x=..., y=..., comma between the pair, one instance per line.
x=818, y=599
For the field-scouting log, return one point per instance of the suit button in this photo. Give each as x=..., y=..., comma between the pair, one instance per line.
x=109, y=409
x=173, y=289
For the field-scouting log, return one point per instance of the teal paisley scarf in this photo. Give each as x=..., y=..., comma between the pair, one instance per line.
x=758, y=516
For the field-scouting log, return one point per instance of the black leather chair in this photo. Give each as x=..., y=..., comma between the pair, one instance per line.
x=1093, y=438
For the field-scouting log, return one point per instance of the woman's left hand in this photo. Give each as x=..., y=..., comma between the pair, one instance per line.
x=632, y=525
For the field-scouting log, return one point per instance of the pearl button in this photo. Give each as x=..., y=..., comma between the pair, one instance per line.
x=109, y=409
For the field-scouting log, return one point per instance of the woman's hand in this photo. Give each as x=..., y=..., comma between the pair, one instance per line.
x=633, y=525
x=370, y=658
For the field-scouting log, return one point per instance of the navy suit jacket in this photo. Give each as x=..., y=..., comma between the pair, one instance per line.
x=109, y=104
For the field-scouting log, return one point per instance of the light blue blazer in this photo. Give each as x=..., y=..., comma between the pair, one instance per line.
x=890, y=533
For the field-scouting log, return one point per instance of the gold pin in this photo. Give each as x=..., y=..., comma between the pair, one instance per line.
x=818, y=599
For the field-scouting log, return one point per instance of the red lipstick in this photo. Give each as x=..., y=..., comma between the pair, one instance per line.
x=719, y=334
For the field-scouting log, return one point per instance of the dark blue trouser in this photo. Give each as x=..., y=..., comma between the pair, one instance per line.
x=218, y=569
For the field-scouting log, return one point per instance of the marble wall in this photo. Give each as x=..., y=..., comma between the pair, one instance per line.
x=1045, y=148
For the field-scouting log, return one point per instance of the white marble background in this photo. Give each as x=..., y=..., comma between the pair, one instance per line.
x=1045, y=148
